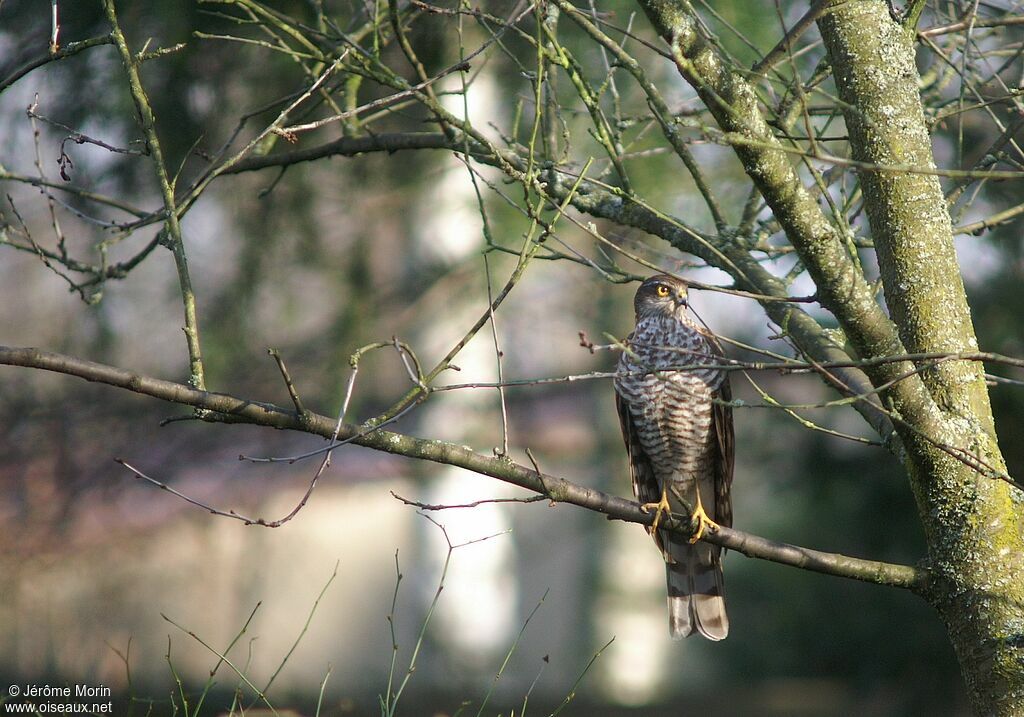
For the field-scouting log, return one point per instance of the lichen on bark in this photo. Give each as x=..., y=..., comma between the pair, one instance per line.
x=972, y=521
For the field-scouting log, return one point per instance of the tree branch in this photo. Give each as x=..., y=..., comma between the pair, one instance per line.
x=842, y=287
x=600, y=202
x=551, y=487
x=349, y=147
x=71, y=49
x=175, y=241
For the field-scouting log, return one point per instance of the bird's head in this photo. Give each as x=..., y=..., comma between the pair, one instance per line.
x=660, y=295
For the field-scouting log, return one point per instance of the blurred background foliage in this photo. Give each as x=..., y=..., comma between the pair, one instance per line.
x=327, y=256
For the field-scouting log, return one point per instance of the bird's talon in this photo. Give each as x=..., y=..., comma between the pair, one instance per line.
x=659, y=508
x=703, y=522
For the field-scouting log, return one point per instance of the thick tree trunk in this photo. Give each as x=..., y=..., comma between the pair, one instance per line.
x=972, y=519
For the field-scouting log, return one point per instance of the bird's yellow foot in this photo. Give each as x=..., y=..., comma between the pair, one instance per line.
x=659, y=508
x=703, y=521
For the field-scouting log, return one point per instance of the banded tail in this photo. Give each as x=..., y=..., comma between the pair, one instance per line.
x=696, y=589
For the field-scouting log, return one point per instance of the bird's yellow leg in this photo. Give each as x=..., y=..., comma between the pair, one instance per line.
x=703, y=520
x=659, y=508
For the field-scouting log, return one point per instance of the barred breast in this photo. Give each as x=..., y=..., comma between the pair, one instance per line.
x=672, y=409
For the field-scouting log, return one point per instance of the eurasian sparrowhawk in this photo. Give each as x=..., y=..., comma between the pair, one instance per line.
x=677, y=423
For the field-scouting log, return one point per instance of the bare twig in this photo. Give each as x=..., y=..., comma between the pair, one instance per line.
x=54, y=28
x=389, y=701
x=287, y=381
x=175, y=240
x=474, y=504
x=497, y=359
x=302, y=633
x=973, y=21
x=198, y=503
x=260, y=695
x=572, y=691
x=78, y=138
x=70, y=49
x=785, y=45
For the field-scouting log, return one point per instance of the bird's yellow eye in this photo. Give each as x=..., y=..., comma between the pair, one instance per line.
x=663, y=290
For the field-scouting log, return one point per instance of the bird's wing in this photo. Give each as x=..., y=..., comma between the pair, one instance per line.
x=646, y=487
x=645, y=484
x=721, y=419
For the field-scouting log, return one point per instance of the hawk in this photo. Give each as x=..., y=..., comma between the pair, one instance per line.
x=677, y=424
